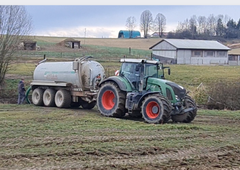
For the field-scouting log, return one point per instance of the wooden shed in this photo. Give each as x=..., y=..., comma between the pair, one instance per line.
x=195, y=52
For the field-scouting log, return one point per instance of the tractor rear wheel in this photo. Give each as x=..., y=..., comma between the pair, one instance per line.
x=111, y=100
x=37, y=97
x=152, y=109
x=188, y=116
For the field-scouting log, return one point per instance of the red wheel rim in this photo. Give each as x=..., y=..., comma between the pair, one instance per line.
x=152, y=110
x=107, y=100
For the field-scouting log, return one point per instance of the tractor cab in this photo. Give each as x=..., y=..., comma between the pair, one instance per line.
x=138, y=71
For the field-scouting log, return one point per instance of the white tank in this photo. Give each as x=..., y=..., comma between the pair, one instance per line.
x=81, y=74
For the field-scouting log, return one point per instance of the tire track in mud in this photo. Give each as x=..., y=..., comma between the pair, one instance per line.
x=147, y=159
x=14, y=143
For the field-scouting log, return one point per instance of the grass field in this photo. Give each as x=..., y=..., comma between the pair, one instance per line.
x=34, y=137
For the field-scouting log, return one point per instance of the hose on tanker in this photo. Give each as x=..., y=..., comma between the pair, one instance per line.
x=26, y=95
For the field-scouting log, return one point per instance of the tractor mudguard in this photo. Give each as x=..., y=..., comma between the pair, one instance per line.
x=122, y=84
x=135, y=99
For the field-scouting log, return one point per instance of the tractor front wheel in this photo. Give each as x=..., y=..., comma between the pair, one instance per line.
x=188, y=116
x=152, y=109
x=111, y=100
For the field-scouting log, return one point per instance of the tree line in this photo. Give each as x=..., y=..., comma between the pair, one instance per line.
x=211, y=27
x=201, y=27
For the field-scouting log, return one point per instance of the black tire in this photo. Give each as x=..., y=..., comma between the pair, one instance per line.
x=111, y=100
x=152, y=109
x=135, y=114
x=63, y=98
x=190, y=103
x=86, y=105
x=76, y=104
x=188, y=116
x=49, y=97
x=37, y=97
x=167, y=107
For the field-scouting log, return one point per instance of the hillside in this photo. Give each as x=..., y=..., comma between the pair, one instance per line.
x=141, y=44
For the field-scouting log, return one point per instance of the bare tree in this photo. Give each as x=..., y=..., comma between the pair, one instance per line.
x=146, y=22
x=131, y=24
x=160, y=23
x=212, y=24
x=193, y=25
x=14, y=24
x=202, y=24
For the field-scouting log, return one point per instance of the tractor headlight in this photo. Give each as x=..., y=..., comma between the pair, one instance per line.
x=177, y=98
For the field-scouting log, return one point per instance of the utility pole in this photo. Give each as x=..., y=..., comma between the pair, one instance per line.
x=84, y=35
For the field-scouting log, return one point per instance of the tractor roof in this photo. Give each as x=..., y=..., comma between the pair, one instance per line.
x=127, y=60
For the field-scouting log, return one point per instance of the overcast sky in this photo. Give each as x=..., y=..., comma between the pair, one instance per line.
x=105, y=21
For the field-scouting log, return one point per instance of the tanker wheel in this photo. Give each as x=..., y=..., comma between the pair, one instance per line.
x=111, y=100
x=152, y=109
x=48, y=97
x=63, y=98
x=167, y=107
x=188, y=116
x=37, y=97
x=86, y=105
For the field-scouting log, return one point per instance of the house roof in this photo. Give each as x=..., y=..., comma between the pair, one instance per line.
x=194, y=44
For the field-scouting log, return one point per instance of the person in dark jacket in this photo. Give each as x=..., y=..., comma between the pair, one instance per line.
x=21, y=91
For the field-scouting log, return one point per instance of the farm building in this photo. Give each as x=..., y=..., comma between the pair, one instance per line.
x=156, y=34
x=128, y=34
x=182, y=51
x=70, y=42
x=234, y=57
x=27, y=45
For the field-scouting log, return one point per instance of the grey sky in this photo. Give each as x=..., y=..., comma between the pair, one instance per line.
x=106, y=20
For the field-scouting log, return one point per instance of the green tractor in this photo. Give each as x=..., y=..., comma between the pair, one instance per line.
x=141, y=90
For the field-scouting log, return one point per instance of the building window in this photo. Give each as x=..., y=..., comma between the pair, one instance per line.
x=197, y=53
x=233, y=58
x=221, y=54
x=209, y=54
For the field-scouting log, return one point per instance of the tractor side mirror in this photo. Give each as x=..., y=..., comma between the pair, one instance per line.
x=169, y=71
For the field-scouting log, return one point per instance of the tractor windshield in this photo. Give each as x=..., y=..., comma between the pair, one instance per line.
x=151, y=70
x=130, y=70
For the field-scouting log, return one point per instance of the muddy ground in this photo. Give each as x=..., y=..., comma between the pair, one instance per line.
x=52, y=138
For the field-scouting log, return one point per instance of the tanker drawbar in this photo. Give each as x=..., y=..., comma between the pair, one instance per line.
x=67, y=84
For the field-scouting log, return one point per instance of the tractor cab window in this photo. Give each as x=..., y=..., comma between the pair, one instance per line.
x=132, y=72
x=151, y=70
x=129, y=70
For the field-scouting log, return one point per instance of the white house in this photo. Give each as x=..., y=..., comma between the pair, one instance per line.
x=197, y=52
